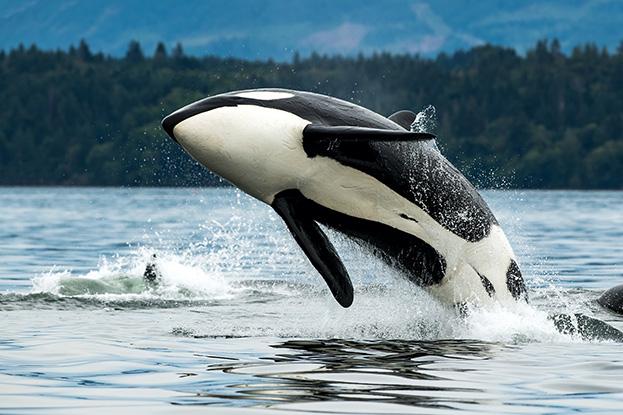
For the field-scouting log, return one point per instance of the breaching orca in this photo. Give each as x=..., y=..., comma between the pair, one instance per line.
x=321, y=160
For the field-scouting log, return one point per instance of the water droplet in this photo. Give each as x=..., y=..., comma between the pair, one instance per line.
x=425, y=120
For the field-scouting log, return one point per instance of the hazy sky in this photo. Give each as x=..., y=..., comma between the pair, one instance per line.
x=277, y=28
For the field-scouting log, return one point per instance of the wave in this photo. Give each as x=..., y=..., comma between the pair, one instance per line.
x=236, y=304
x=181, y=278
x=185, y=279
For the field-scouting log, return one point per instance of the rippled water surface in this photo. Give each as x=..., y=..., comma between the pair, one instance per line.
x=240, y=322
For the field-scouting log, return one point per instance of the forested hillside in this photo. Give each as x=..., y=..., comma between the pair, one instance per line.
x=545, y=119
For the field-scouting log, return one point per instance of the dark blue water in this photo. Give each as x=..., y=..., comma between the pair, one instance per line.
x=241, y=322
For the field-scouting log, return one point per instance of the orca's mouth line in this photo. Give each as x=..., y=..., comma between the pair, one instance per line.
x=168, y=124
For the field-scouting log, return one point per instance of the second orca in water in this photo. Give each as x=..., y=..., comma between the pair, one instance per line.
x=152, y=275
x=612, y=299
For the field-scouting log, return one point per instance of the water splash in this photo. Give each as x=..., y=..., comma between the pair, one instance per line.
x=234, y=305
x=181, y=277
x=425, y=121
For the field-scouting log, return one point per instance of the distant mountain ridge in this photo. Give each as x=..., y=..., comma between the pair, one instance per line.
x=276, y=28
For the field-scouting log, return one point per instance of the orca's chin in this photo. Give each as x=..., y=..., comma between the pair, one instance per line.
x=168, y=124
x=172, y=120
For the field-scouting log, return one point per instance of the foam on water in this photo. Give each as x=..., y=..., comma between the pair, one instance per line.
x=394, y=309
x=182, y=277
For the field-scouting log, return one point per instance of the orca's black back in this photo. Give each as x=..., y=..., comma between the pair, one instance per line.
x=416, y=170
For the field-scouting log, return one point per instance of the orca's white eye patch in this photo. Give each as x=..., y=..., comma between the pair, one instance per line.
x=265, y=95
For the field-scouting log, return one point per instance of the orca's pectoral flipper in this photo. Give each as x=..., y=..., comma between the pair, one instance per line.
x=291, y=206
x=403, y=118
x=318, y=139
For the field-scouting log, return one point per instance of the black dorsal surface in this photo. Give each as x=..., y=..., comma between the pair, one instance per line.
x=403, y=118
x=612, y=299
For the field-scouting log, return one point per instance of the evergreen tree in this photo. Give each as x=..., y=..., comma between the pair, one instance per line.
x=546, y=119
x=83, y=52
x=134, y=53
x=178, y=51
x=160, y=54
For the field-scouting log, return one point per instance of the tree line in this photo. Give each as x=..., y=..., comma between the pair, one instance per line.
x=546, y=119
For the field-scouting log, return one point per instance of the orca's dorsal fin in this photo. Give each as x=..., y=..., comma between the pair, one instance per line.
x=350, y=133
x=292, y=207
x=403, y=118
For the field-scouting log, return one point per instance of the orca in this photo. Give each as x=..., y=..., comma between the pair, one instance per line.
x=152, y=275
x=319, y=160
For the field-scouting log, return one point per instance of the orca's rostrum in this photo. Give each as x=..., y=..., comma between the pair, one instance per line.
x=317, y=159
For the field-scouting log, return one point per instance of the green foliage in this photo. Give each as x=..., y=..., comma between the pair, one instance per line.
x=540, y=120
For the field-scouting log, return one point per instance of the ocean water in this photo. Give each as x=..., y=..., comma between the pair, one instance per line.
x=241, y=323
